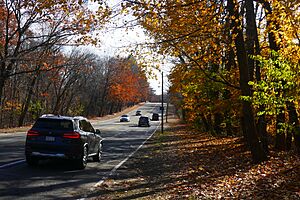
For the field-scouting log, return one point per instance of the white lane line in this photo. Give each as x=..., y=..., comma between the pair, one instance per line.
x=12, y=163
x=122, y=162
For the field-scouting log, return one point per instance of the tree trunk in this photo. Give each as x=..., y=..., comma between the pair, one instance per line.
x=27, y=101
x=293, y=119
x=258, y=154
x=205, y=123
x=251, y=33
x=217, y=123
x=103, y=97
x=65, y=109
x=253, y=48
x=280, y=132
x=262, y=131
x=2, y=84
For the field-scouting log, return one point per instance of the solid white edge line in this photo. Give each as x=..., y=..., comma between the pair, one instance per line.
x=99, y=183
x=12, y=163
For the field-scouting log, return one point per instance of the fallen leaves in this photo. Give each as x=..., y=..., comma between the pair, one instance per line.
x=185, y=164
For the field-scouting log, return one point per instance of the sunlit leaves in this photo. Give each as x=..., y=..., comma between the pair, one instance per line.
x=278, y=86
x=194, y=31
x=200, y=34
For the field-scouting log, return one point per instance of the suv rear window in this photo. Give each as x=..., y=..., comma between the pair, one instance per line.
x=144, y=119
x=60, y=124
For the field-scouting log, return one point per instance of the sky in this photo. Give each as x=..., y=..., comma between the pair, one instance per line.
x=114, y=41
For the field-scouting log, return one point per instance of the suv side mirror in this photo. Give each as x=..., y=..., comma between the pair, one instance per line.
x=98, y=132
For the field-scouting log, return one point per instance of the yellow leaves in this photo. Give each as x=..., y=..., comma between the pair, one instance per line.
x=12, y=105
x=285, y=18
x=200, y=168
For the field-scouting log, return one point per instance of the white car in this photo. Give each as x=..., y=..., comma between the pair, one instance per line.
x=125, y=118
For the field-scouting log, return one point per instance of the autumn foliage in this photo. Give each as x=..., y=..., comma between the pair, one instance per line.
x=127, y=83
x=39, y=75
x=218, y=48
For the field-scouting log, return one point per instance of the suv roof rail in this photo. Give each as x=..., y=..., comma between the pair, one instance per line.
x=47, y=115
x=79, y=117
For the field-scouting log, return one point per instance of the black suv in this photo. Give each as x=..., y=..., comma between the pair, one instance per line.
x=144, y=121
x=55, y=136
x=155, y=117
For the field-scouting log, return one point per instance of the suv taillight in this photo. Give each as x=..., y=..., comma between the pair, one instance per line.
x=32, y=133
x=72, y=135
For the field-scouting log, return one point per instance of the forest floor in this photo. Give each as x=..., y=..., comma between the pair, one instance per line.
x=182, y=163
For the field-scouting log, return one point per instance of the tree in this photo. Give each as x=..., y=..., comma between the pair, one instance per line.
x=127, y=83
x=34, y=26
x=194, y=31
x=250, y=134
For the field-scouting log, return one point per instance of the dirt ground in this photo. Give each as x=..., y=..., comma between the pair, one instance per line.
x=182, y=163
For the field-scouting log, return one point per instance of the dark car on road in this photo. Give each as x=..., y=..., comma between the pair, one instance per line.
x=155, y=117
x=55, y=136
x=144, y=121
x=138, y=113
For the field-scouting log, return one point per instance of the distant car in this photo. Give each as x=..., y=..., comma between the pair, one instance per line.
x=124, y=118
x=55, y=136
x=155, y=117
x=138, y=113
x=144, y=121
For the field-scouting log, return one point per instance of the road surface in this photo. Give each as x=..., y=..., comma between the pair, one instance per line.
x=59, y=180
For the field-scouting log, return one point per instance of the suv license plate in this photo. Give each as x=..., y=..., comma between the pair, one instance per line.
x=49, y=138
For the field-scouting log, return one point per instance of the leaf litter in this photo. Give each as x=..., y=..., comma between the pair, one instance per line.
x=183, y=163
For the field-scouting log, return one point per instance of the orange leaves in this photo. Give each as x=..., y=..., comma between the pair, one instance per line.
x=44, y=94
x=127, y=83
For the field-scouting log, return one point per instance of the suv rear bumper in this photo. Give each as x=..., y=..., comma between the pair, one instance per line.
x=49, y=151
x=57, y=155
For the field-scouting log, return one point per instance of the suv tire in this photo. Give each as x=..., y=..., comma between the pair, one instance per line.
x=82, y=161
x=32, y=161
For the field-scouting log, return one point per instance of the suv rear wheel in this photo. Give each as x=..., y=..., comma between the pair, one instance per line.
x=82, y=161
x=32, y=161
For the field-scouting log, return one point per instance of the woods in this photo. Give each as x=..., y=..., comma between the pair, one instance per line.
x=236, y=64
x=226, y=78
x=39, y=75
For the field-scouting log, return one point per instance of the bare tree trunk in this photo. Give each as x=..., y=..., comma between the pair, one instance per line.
x=2, y=84
x=293, y=119
x=27, y=101
x=250, y=35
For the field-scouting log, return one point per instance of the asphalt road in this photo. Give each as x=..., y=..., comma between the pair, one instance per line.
x=57, y=179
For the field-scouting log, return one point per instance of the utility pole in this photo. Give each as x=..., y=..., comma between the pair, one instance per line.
x=162, y=102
